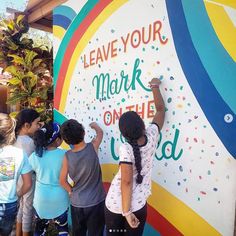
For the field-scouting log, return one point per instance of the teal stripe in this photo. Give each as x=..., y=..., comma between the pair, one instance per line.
x=219, y=65
x=149, y=230
x=58, y=117
x=69, y=34
x=65, y=11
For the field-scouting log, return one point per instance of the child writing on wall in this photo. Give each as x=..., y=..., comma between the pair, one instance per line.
x=27, y=122
x=126, y=207
x=13, y=164
x=51, y=201
x=82, y=164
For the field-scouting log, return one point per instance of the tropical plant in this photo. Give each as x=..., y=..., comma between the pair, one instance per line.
x=30, y=68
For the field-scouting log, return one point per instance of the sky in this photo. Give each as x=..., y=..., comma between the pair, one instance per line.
x=16, y=4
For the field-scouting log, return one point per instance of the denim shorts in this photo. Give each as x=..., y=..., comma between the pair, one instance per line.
x=8, y=213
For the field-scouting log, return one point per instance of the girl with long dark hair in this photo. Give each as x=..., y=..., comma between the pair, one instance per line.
x=126, y=207
x=27, y=122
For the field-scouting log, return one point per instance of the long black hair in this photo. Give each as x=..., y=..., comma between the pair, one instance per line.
x=46, y=136
x=25, y=116
x=132, y=128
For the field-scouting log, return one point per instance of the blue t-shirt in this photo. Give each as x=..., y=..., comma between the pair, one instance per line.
x=50, y=199
x=13, y=163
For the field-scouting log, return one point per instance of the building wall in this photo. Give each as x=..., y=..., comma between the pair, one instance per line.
x=106, y=52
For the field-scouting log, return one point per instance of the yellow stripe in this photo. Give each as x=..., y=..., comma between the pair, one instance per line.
x=179, y=214
x=65, y=146
x=58, y=31
x=109, y=171
x=106, y=13
x=223, y=27
x=171, y=208
x=229, y=3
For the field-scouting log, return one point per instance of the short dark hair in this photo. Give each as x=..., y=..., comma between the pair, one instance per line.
x=72, y=132
x=7, y=130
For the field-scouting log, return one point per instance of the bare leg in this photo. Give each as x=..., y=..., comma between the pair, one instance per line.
x=18, y=229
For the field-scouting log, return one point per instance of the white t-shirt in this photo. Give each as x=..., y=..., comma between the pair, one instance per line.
x=13, y=163
x=141, y=191
x=26, y=143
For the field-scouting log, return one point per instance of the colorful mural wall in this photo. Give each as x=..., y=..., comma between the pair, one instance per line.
x=106, y=52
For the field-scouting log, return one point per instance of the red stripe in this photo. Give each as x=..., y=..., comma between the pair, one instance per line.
x=156, y=220
x=161, y=224
x=72, y=45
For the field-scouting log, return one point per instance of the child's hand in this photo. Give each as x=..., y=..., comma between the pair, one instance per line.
x=154, y=82
x=132, y=220
x=93, y=125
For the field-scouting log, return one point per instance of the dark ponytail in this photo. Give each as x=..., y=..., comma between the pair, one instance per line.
x=46, y=136
x=137, y=158
x=40, y=141
x=132, y=128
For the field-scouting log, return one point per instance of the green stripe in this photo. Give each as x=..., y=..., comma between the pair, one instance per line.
x=69, y=34
x=219, y=65
x=58, y=117
x=65, y=11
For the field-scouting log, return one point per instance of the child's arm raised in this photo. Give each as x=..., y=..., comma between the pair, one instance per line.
x=99, y=135
x=159, y=103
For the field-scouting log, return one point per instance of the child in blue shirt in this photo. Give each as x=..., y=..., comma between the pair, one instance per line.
x=51, y=201
x=13, y=164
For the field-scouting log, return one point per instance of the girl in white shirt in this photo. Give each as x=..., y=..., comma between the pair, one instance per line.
x=126, y=208
x=27, y=122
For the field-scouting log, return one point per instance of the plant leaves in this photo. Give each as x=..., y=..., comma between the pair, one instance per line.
x=17, y=59
x=14, y=99
x=36, y=63
x=30, y=55
x=14, y=81
x=19, y=20
x=13, y=114
x=12, y=70
x=11, y=44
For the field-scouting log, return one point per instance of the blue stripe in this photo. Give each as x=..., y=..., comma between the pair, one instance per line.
x=65, y=11
x=207, y=96
x=218, y=63
x=62, y=21
x=67, y=37
x=149, y=230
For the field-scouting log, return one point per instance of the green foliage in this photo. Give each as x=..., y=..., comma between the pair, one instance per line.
x=29, y=66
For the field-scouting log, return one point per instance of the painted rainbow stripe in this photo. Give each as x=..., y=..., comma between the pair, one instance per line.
x=67, y=38
x=168, y=215
x=226, y=32
x=214, y=56
x=62, y=18
x=66, y=11
x=191, y=56
x=100, y=13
